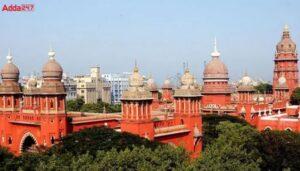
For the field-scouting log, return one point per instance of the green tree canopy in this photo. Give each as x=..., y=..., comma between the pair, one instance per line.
x=280, y=150
x=99, y=138
x=75, y=105
x=236, y=148
x=264, y=88
x=295, y=97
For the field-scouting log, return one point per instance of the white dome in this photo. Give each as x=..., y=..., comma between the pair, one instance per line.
x=246, y=80
x=282, y=80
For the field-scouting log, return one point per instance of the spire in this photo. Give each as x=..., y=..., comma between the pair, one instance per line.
x=51, y=53
x=286, y=28
x=286, y=32
x=215, y=53
x=136, y=69
x=9, y=57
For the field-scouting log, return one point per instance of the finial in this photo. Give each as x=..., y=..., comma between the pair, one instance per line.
x=215, y=53
x=136, y=69
x=51, y=53
x=286, y=28
x=9, y=57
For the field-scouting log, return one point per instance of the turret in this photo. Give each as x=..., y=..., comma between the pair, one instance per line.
x=136, y=107
x=10, y=89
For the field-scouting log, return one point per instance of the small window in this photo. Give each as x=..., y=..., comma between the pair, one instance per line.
x=9, y=140
x=52, y=140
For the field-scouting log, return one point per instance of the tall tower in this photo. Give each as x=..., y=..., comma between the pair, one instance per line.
x=187, y=101
x=286, y=62
x=52, y=101
x=10, y=90
x=136, y=108
x=216, y=91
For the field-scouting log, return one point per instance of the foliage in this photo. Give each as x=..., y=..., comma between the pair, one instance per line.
x=210, y=123
x=236, y=148
x=264, y=88
x=280, y=150
x=295, y=97
x=94, y=139
x=75, y=105
x=5, y=156
x=79, y=105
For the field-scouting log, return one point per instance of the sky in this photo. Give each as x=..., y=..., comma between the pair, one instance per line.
x=159, y=34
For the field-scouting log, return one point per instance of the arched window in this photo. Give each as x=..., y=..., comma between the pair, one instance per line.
x=8, y=102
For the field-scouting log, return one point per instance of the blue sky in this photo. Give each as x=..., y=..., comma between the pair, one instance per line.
x=159, y=34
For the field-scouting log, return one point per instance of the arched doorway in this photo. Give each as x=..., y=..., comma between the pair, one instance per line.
x=28, y=143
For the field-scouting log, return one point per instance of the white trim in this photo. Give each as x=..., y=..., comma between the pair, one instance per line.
x=268, y=127
x=27, y=134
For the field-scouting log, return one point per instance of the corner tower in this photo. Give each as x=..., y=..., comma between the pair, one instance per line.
x=286, y=63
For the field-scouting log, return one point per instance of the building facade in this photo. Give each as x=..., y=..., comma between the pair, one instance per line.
x=118, y=83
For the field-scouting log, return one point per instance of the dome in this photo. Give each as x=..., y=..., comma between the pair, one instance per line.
x=286, y=44
x=136, y=80
x=246, y=80
x=52, y=69
x=167, y=84
x=151, y=84
x=215, y=68
x=187, y=79
x=10, y=71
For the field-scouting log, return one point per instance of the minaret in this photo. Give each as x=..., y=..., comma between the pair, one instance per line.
x=286, y=62
x=187, y=100
x=136, y=107
x=10, y=89
x=281, y=90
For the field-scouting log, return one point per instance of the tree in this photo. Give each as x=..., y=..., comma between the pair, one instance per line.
x=5, y=156
x=99, y=138
x=236, y=148
x=264, y=88
x=295, y=97
x=210, y=123
x=75, y=105
x=280, y=150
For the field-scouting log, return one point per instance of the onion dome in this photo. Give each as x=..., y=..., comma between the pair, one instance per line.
x=215, y=68
x=286, y=44
x=151, y=84
x=10, y=71
x=52, y=69
x=167, y=84
x=136, y=89
x=246, y=83
x=187, y=88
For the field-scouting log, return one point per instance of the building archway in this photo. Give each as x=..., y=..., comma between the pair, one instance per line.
x=28, y=142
